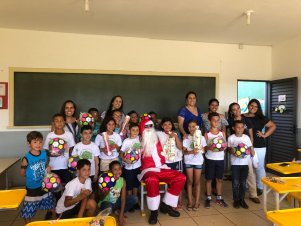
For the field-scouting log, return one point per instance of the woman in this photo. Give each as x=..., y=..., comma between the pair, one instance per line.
x=189, y=112
x=259, y=122
x=234, y=113
x=68, y=109
x=213, y=107
x=116, y=103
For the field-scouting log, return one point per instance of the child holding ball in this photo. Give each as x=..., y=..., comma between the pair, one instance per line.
x=239, y=164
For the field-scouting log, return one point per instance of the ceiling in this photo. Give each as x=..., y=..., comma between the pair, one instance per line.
x=220, y=21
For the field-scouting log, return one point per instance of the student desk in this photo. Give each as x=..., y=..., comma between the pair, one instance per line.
x=280, y=190
x=289, y=217
x=11, y=199
x=285, y=168
x=5, y=164
x=110, y=221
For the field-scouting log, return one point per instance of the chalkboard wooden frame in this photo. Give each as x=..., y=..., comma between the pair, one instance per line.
x=13, y=70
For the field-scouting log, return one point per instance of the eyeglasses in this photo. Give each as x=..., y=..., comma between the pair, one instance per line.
x=148, y=126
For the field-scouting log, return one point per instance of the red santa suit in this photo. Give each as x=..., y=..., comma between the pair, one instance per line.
x=154, y=171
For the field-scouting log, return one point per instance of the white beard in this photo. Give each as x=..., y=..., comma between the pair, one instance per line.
x=149, y=141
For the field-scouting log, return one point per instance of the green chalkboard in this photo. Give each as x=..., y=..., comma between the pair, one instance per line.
x=39, y=95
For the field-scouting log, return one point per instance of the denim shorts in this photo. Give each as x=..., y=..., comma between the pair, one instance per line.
x=188, y=166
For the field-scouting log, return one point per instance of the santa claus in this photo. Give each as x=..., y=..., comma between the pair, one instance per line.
x=154, y=170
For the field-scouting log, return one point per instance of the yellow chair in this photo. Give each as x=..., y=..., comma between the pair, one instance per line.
x=11, y=199
x=144, y=192
x=110, y=221
x=287, y=217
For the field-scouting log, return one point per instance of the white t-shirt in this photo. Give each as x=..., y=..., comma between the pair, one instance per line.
x=233, y=141
x=72, y=189
x=113, y=139
x=127, y=144
x=163, y=138
x=192, y=159
x=60, y=162
x=213, y=155
x=87, y=151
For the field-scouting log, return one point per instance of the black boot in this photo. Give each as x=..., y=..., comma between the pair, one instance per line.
x=153, y=218
x=164, y=208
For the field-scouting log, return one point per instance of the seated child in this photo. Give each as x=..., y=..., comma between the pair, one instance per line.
x=75, y=200
x=239, y=166
x=116, y=197
x=131, y=170
x=33, y=167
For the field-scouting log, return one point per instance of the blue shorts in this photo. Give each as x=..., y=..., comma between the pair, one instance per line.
x=131, y=179
x=198, y=167
x=176, y=166
x=36, y=199
x=214, y=169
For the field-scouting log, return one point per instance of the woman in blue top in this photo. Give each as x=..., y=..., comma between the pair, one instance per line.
x=189, y=112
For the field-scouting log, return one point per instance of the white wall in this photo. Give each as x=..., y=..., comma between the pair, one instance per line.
x=286, y=62
x=36, y=49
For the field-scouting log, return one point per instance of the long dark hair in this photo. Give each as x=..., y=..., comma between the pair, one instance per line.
x=167, y=119
x=103, y=127
x=230, y=115
x=259, y=112
x=64, y=105
x=109, y=111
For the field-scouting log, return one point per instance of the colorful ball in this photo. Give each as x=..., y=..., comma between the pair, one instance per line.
x=106, y=181
x=218, y=144
x=241, y=150
x=72, y=162
x=132, y=154
x=51, y=182
x=86, y=119
x=57, y=146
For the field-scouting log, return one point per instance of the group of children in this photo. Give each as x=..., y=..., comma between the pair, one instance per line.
x=80, y=193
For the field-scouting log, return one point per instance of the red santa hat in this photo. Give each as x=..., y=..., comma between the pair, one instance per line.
x=145, y=119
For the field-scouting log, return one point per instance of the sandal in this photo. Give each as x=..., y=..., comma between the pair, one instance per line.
x=196, y=207
x=189, y=207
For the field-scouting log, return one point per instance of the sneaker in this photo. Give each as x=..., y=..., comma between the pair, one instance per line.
x=255, y=200
x=137, y=206
x=259, y=192
x=222, y=203
x=153, y=218
x=207, y=203
x=236, y=204
x=243, y=204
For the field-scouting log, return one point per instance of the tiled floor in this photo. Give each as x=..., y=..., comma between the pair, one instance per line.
x=215, y=216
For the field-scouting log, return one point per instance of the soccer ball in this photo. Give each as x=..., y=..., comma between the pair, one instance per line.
x=241, y=150
x=218, y=144
x=51, y=182
x=132, y=154
x=86, y=119
x=106, y=181
x=72, y=162
x=57, y=146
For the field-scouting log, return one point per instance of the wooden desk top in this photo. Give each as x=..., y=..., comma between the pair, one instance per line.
x=290, y=168
x=289, y=184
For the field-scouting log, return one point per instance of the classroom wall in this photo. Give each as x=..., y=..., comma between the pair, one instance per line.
x=286, y=62
x=38, y=49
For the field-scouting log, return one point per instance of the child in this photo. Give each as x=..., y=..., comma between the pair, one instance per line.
x=88, y=150
x=75, y=199
x=114, y=141
x=116, y=197
x=239, y=166
x=117, y=116
x=131, y=170
x=33, y=167
x=95, y=113
x=68, y=110
x=59, y=164
x=194, y=160
x=214, y=167
x=134, y=117
x=154, y=118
